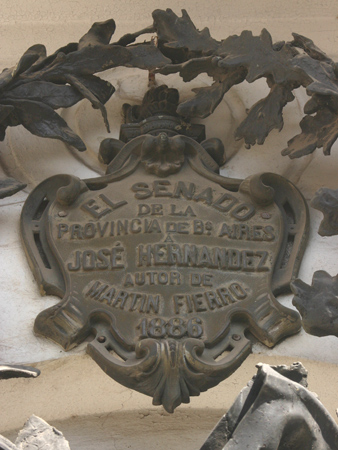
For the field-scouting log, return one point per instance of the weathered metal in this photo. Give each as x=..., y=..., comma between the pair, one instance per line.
x=166, y=262
x=17, y=371
x=326, y=201
x=318, y=303
x=157, y=114
x=285, y=65
x=9, y=186
x=276, y=413
x=39, y=84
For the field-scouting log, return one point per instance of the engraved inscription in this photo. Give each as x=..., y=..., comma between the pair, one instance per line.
x=201, y=279
x=124, y=300
x=202, y=256
x=180, y=303
x=103, y=259
x=92, y=230
x=123, y=227
x=248, y=233
x=152, y=278
x=209, y=300
x=173, y=328
x=99, y=209
x=226, y=203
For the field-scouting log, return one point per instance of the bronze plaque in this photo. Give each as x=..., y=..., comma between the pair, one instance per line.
x=171, y=266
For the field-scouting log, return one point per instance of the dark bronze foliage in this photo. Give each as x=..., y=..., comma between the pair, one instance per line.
x=326, y=201
x=179, y=38
x=32, y=91
x=39, y=84
x=285, y=65
x=318, y=303
x=9, y=186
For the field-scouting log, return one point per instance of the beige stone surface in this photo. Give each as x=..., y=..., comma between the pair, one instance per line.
x=76, y=387
x=27, y=22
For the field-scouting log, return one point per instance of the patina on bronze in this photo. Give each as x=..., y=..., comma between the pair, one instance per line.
x=168, y=263
x=326, y=201
x=318, y=303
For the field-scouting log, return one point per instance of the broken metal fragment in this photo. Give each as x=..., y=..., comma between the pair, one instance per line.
x=9, y=186
x=295, y=372
x=36, y=435
x=276, y=413
x=16, y=371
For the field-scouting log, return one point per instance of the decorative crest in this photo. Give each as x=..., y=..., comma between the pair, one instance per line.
x=166, y=261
